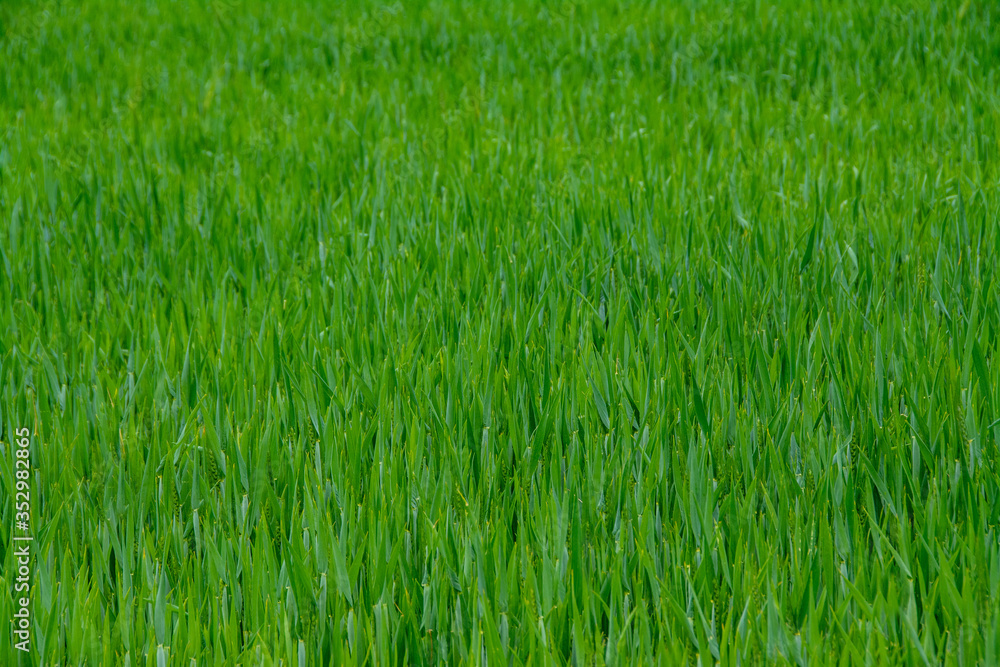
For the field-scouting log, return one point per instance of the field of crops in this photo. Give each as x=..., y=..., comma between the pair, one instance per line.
x=501, y=334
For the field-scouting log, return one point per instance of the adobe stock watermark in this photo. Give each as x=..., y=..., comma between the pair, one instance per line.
x=21, y=539
x=24, y=26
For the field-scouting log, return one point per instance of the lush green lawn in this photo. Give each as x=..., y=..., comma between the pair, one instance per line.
x=462, y=333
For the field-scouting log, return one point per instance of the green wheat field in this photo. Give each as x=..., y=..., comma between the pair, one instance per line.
x=479, y=333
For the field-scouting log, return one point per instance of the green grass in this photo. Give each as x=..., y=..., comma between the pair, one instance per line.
x=459, y=333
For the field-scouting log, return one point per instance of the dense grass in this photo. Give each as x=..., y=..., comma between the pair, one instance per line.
x=461, y=333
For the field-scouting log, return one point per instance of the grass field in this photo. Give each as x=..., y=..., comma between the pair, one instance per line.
x=465, y=333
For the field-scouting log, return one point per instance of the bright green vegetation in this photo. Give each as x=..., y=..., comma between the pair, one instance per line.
x=454, y=333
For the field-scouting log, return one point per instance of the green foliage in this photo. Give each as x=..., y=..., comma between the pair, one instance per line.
x=448, y=332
